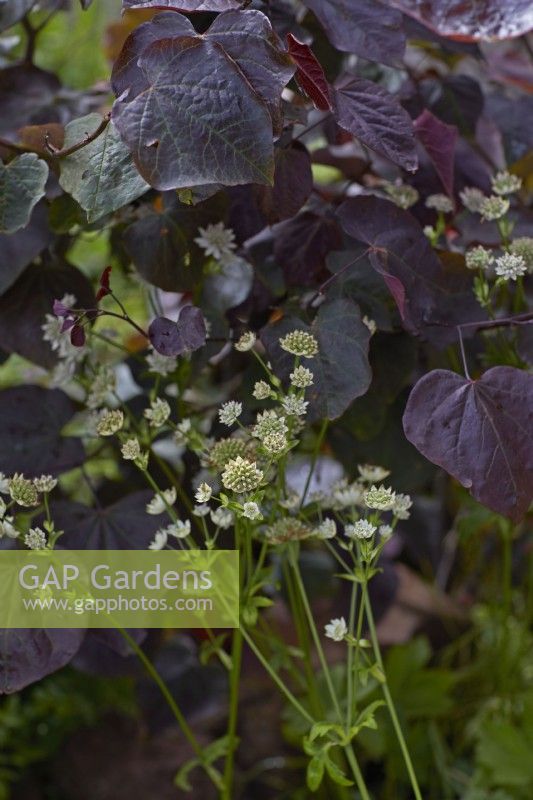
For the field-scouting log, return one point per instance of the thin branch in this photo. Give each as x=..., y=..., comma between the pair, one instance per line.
x=68, y=151
x=463, y=353
x=504, y=322
x=321, y=289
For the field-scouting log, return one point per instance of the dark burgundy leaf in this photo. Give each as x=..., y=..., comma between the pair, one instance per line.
x=28, y=96
x=104, y=289
x=471, y=22
x=457, y=100
x=302, y=244
x=439, y=141
x=481, y=432
x=401, y=252
x=18, y=249
x=125, y=525
x=376, y=118
x=293, y=183
x=26, y=656
x=341, y=369
x=365, y=27
x=236, y=71
x=309, y=73
x=186, y=6
x=24, y=306
x=175, y=338
x=77, y=336
x=31, y=421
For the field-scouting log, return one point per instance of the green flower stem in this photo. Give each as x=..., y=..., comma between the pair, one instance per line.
x=316, y=451
x=182, y=722
x=387, y=695
x=235, y=674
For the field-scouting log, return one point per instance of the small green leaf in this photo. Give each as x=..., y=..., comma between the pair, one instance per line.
x=22, y=184
x=315, y=773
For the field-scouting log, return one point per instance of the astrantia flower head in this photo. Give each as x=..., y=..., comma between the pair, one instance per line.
x=402, y=504
x=225, y=449
x=102, y=385
x=294, y=406
x=346, y=496
x=372, y=473
x=505, y=183
x=222, y=518
x=362, y=529
x=275, y=442
x=158, y=413
x=241, y=475
x=131, y=449
x=301, y=377
x=159, y=502
x=380, y=498
x=4, y=484
x=262, y=391
x=494, y=207
x=23, y=491
x=299, y=343
x=336, y=629
x=160, y=540
x=179, y=529
x=246, y=342
x=251, y=511
x=201, y=511
x=217, y=241
x=35, y=539
x=478, y=258
x=203, y=493
x=472, y=199
x=440, y=202
x=327, y=529
x=289, y=529
x=183, y=431
x=385, y=531
x=230, y=412
x=160, y=364
x=510, y=266
x=267, y=423
x=109, y=422
x=523, y=246
x=401, y=194
x=45, y=484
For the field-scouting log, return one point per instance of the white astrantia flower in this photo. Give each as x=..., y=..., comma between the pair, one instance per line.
x=241, y=475
x=35, y=539
x=379, y=498
x=327, y=529
x=291, y=502
x=370, y=324
x=362, y=529
x=251, y=511
x=7, y=528
x=183, y=430
x=201, y=510
x=160, y=540
x=23, y=491
x=262, y=391
x=294, y=406
x=440, y=202
x=4, y=484
x=385, y=531
x=523, y=246
x=216, y=240
x=3, y=508
x=179, y=529
x=131, y=449
x=222, y=518
x=299, y=343
x=158, y=413
x=158, y=504
x=160, y=364
x=302, y=377
x=478, y=258
x=336, y=629
x=402, y=504
x=494, y=207
x=230, y=412
x=109, y=422
x=45, y=484
x=203, y=493
x=402, y=194
x=101, y=388
x=269, y=422
x=246, y=342
x=372, y=473
x=275, y=442
x=346, y=496
x=505, y=183
x=472, y=199
x=510, y=267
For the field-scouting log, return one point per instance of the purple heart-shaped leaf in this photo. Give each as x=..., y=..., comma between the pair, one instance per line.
x=175, y=338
